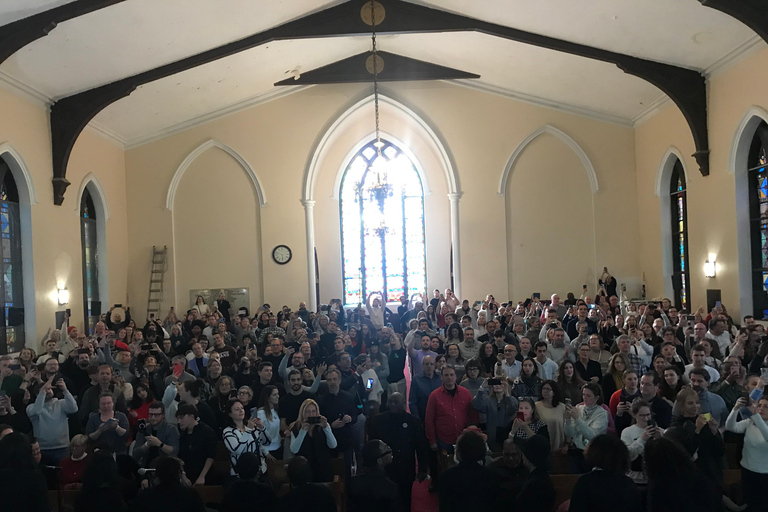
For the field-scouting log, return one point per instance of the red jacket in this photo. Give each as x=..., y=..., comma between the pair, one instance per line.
x=447, y=416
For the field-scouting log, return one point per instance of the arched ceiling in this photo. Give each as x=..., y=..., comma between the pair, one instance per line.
x=138, y=35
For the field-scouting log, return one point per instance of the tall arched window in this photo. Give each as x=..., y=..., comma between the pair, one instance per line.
x=89, y=242
x=758, y=215
x=382, y=225
x=679, y=216
x=11, y=288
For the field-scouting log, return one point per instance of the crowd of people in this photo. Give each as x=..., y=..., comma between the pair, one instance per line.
x=635, y=395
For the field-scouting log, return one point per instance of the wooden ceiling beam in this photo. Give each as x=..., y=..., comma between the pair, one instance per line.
x=70, y=115
x=16, y=35
x=752, y=13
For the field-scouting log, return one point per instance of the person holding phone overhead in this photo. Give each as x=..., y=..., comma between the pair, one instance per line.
x=493, y=400
x=754, y=455
x=313, y=439
x=49, y=421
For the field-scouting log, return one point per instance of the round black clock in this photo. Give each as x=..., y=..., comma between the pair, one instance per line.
x=282, y=254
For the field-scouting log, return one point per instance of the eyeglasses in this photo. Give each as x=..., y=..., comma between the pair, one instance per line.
x=154, y=414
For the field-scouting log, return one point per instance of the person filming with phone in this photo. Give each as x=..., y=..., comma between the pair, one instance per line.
x=313, y=439
x=49, y=421
x=108, y=426
x=156, y=437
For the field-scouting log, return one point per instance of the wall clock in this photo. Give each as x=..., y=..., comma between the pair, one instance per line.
x=282, y=254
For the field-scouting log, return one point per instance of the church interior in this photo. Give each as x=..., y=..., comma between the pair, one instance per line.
x=550, y=139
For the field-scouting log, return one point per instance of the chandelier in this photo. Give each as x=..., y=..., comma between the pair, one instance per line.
x=378, y=189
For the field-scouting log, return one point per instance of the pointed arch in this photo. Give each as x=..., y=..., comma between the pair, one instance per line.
x=364, y=142
x=202, y=148
x=329, y=135
x=332, y=129
x=665, y=170
x=564, y=137
x=91, y=183
x=738, y=165
x=27, y=198
x=20, y=173
x=663, y=177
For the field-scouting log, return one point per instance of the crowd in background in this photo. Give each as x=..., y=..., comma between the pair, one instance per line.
x=639, y=396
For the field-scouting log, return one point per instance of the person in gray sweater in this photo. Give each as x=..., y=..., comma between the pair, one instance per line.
x=49, y=421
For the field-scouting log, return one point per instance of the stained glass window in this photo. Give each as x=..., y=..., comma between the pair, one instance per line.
x=758, y=213
x=88, y=234
x=382, y=225
x=11, y=285
x=679, y=217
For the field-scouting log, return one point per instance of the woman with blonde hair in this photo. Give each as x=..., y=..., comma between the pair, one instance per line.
x=312, y=438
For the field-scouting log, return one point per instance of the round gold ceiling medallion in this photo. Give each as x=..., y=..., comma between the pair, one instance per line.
x=379, y=13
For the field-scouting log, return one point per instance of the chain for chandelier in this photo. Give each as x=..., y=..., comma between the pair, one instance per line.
x=375, y=77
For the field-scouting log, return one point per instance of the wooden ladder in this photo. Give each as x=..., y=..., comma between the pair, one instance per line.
x=159, y=266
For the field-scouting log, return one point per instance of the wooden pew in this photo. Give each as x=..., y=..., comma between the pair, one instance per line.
x=210, y=493
x=563, y=487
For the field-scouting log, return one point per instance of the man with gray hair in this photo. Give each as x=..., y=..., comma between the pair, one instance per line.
x=422, y=386
x=185, y=376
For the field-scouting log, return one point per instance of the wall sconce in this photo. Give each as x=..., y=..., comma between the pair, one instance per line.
x=710, y=268
x=63, y=296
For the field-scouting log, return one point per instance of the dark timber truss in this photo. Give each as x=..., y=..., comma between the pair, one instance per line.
x=70, y=115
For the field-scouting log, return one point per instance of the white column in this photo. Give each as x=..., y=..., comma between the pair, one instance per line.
x=309, y=219
x=455, y=243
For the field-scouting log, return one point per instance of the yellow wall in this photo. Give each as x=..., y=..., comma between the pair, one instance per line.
x=711, y=199
x=478, y=131
x=217, y=228
x=549, y=182
x=56, y=258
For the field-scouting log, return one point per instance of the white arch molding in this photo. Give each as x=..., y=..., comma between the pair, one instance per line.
x=27, y=198
x=330, y=133
x=99, y=197
x=738, y=164
x=583, y=158
x=173, y=187
x=202, y=148
x=564, y=137
x=663, y=175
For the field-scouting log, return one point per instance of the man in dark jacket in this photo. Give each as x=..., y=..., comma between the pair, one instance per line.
x=422, y=386
x=538, y=492
x=305, y=495
x=372, y=491
x=404, y=434
x=468, y=487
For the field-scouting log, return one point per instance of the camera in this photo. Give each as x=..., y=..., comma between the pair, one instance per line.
x=146, y=346
x=494, y=382
x=313, y=420
x=143, y=427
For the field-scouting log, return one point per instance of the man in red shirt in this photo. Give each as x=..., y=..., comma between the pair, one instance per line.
x=447, y=416
x=448, y=411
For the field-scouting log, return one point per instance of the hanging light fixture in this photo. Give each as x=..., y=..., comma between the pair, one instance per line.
x=379, y=189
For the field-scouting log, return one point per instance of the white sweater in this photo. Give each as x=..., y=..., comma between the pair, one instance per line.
x=754, y=455
x=592, y=422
